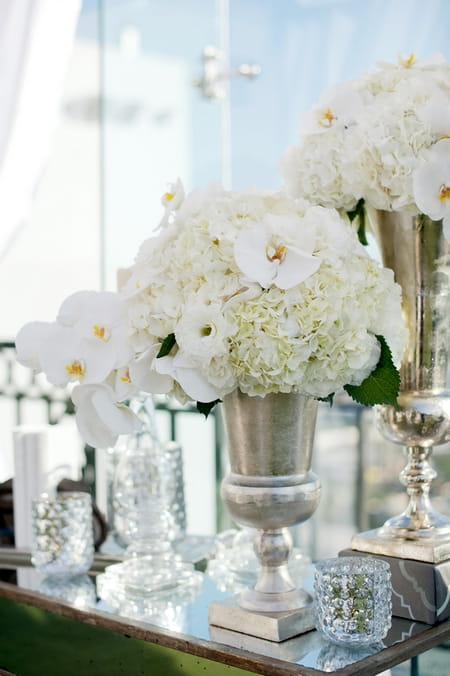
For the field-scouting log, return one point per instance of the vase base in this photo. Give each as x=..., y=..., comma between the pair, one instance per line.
x=274, y=626
x=425, y=548
x=291, y=650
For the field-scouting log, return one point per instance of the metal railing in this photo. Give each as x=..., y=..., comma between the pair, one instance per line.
x=22, y=386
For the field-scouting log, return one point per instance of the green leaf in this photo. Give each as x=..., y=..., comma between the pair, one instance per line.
x=382, y=385
x=206, y=408
x=328, y=399
x=359, y=213
x=166, y=345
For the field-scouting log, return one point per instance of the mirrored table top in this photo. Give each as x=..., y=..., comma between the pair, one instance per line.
x=183, y=625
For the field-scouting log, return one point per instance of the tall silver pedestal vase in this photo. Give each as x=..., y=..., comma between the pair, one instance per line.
x=418, y=253
x=270, y=487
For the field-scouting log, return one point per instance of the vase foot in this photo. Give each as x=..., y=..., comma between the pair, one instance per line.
x=274, y=626
x=279, y=602
x=415, y=545
x=291, y=650
x=423, y=526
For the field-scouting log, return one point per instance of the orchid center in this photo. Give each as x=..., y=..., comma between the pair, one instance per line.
x=76, y=369
x=275, y=253
x=168, y=196
x=206, y=331
x=125, y=378
x=100, y=332
x=409, y=61
x=444, y=193
x=327, y=118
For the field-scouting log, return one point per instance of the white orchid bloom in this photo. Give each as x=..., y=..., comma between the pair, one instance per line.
x=122, y=384
x=29, y=341
x=269, y=258
x=86, y=343
x=99, y=317
x=411, y=61
x=97, y=320
x=174, y=196
x=143, y=373
x=181, y=369
x=171, y=200
x=100, y=419
x=431, y=184
x=65, y=358
x=337, y=107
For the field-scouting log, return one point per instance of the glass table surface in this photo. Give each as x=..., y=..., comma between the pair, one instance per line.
x=184, y=625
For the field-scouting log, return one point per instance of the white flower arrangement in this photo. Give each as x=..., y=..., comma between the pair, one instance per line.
x=382, y=138
x=250, y=290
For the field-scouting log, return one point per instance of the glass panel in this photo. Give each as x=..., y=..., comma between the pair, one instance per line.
x=156, y=123
x=304, y=46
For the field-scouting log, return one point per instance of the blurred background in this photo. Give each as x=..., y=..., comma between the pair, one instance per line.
x=103, y=103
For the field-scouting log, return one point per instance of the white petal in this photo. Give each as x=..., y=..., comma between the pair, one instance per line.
x=92, y=431
x=427, y=181
x=121, y=383
x=29, y=341
x=99, y=419
x=248, y=291
x=118, y=418
x=164, y=365
x=181, y=368
x=250, y=255
x=143, y=373
x=100, y=359
x=72, y=308
x=60, y=348
x=295, y=268
x=195, y=385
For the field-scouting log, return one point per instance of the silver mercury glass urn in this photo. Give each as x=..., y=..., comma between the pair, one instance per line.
x=270, y=487
x=415, y=248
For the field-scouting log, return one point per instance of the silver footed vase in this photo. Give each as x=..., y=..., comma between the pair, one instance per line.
x=270, y=487
x=415, y=248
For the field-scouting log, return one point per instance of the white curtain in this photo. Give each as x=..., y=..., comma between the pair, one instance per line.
x=36, y=39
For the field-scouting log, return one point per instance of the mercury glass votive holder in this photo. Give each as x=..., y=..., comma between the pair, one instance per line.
x=63, y=539
x=353, y=597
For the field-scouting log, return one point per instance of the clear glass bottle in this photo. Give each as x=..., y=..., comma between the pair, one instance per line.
x=144, y=488
x=148, y=521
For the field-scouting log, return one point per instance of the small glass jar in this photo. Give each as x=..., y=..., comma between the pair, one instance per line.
x=353, y=596
x=63, y=539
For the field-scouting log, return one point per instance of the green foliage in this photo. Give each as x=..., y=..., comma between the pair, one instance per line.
x=328, y=400
x=359, y=213
x=166, y=345
x=206, y=408
x=382, y=385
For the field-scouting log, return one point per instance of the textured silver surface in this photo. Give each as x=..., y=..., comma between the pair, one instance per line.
x=270, y=487
x=415, y=248
x=423, y=549
x=291, y=649
x=63, y=542
x=353, y=598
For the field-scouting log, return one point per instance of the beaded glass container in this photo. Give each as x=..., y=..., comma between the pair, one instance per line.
x=353, y=596
x=63, y=542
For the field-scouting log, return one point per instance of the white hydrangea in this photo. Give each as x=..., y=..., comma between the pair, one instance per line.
x=402, y=112
x=236, y=321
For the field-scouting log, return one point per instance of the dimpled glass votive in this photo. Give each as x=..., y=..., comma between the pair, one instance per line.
x=353, y=596
x=63, y=541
